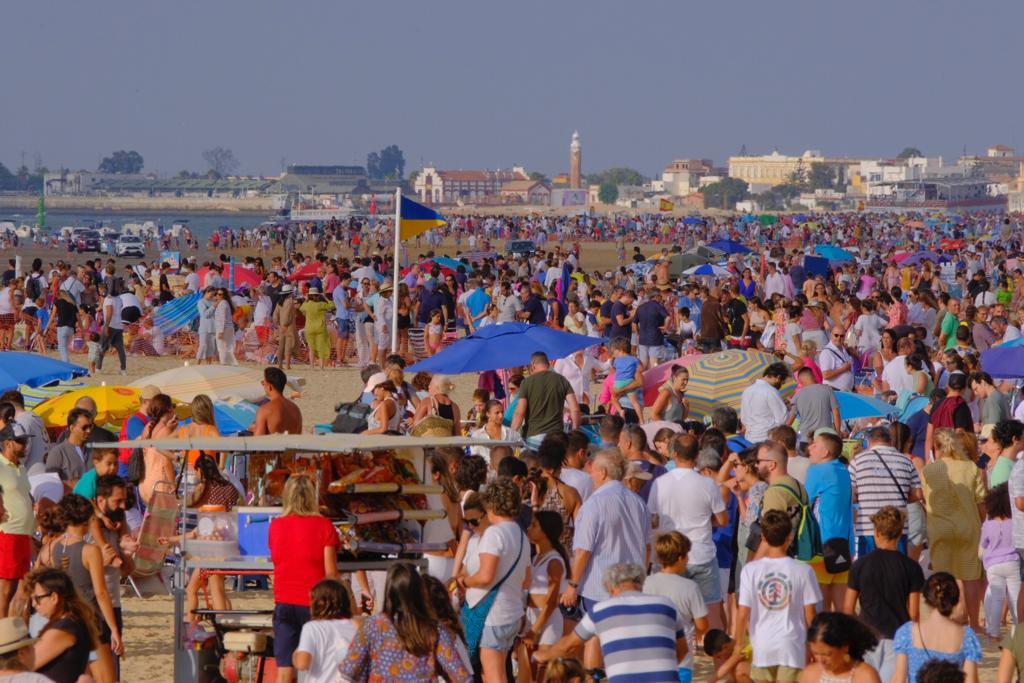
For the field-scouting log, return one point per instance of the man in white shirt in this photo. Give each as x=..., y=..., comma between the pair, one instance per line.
x=191, y=279
x=1004, y=330
x=835, y=362
x=113, y=328
x=774, y=282
x=578, y=369
x=894, y=375
x=761, y=407
x=686, y=501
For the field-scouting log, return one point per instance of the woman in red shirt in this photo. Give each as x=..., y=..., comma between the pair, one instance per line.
x=304, y=550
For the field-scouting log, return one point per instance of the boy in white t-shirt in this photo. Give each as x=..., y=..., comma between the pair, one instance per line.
x=324, y=640
x=778, y=595
x=672, y=550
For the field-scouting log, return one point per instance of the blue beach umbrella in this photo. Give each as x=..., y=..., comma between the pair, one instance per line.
x=853, y=406
x=730, y=247
x=1004, y=362
x=176, y=314
x=232, y=418
x=449, y=262
x=707, y=269
x=693, y=220
x=505, y=345
x=35, y=370
x=833, y=253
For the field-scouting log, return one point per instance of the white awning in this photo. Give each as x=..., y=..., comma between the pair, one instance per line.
x=312, y=443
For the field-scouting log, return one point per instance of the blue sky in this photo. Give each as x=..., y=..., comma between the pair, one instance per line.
x=470, y=84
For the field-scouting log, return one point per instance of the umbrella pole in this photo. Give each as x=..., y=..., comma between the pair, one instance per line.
x=394, y=276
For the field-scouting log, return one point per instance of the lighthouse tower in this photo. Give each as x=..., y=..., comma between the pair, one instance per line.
x=575, y=161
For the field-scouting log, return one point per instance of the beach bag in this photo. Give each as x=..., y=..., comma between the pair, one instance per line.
x=836, y=554
x=473, y=618
x=807, y=537
x=351, y=418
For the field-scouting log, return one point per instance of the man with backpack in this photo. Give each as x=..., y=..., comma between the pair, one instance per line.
x=787, y=495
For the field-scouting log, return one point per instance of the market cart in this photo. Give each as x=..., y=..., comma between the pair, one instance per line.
x=371, y=486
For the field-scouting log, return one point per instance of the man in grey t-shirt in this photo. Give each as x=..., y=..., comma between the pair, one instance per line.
x=816, y=406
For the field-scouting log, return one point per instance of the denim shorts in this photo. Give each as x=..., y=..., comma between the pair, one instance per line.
x=499, y=638
x=288, y=621
x=706, y=576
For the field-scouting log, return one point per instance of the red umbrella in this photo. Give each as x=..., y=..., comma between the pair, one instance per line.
x=426, y=266
x=307, y=272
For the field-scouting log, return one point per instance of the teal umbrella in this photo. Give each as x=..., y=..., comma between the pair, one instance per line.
x=834, y=253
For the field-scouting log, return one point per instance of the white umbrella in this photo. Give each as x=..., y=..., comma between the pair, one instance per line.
x=222, y=382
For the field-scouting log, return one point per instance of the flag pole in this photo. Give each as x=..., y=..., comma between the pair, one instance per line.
x=394, y=278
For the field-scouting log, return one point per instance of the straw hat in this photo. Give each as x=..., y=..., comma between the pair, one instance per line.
x=433, y=425
x=386, y=287
x=13, y=635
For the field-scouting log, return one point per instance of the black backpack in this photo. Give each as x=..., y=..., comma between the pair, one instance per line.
x=136, y=467
x=351, y=418
x=32, y=288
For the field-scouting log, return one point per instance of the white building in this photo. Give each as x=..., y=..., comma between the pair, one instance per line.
x=876, y=176
x=450, y=187
x=683, y=176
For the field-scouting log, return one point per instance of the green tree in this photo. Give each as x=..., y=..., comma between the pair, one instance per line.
x=387, y=163
x=608, y=193
x=221, y=161
x=122, y=162
x=822, y=176
x=725, y=193
x=617, y=176
x=537, y=175
x=909, y=152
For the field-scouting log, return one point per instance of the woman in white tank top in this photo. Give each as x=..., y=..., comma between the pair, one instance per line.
x=548, y=579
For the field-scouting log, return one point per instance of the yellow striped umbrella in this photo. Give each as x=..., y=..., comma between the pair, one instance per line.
x=719, y=379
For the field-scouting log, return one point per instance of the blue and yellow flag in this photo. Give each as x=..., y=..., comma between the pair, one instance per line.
x=417, y=218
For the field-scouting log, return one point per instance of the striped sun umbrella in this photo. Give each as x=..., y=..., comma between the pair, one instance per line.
x=720, y=378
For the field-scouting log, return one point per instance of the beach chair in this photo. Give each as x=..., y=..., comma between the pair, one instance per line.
x=160, y=522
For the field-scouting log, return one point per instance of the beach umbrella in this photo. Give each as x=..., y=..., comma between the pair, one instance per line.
x=1004, y=362
x=452, y=264
x=1019, y=341
x=308, y=271
x=916, y=258
x=34, y=370
x=113, y=404
x=768, y=219
x=505, y=345
x=708, y=269
x=719, y=379
x=914, y=405
x=693, y=220
x=729, y=247
x=232, y=417
x=833, y=253
x=853, y=406
x=659, y=374
x=243, y=276
x=216, y=381
x=33, y=396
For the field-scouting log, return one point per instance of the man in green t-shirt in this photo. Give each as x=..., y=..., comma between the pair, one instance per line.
x=951, y=321
x=542, y=397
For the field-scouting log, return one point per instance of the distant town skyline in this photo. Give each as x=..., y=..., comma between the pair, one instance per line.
x=467, y=85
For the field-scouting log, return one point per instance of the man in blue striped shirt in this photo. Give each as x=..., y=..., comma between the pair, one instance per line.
x=642, y=636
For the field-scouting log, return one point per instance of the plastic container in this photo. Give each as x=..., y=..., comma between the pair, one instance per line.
x=253, y=530
x=216, y=534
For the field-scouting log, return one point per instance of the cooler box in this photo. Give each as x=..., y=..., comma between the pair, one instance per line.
x=253, y=530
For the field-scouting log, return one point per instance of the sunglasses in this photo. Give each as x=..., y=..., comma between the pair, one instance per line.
x=36, y=599
x=473, y=522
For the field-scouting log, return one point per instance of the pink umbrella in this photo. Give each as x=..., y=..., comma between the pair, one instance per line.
x=659, y=374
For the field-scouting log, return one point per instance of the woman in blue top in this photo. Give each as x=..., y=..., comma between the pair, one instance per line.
x=748, y=287
x=831, y=496
x=937, y=636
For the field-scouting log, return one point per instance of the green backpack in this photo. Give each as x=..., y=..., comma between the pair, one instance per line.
x=807, y=537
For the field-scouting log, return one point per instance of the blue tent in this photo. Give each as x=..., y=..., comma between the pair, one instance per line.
x=693, y=220
x=505, y=345
x=34, y=370
x=1004, y=362
x=729, y=247
x=833, y=253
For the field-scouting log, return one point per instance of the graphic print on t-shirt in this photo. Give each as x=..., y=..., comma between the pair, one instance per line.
x=774, y=591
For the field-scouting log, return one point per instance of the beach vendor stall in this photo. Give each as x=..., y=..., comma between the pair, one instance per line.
x=370, y=488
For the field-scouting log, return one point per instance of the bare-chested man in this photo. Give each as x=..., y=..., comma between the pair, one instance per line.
x=278, y=415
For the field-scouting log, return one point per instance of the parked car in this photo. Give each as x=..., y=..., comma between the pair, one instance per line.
x=130, y=245
x=518, y=248
x=88, y=240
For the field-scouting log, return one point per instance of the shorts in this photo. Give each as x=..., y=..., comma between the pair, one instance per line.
x=345, y=328
x=653, y=352
x=774, y=673
x=824, y=578
x=917, y=525
x=499, y=638
x=707, y=579
x=15, y=556
x=288, y=622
